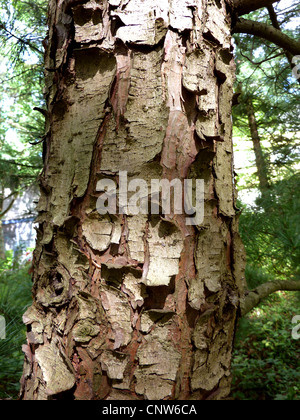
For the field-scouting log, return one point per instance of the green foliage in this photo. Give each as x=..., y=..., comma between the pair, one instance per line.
x=15, y=297
x=22, y=29
x=265, y=77
x=256, y=276
x=271, y=230
x=266, y=362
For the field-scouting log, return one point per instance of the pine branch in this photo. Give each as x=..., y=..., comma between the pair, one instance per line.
x=256, y=296
x=243, y=7
x=15, y=162
x=258, y=63
x=269, y=33
x=276, y=25
x=21, y=40
x=4, y=212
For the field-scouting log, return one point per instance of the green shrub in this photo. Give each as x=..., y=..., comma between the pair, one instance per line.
x=15, y=297
x=271, y=230
x=266, y=362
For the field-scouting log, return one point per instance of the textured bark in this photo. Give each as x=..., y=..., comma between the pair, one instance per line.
x=135, y=307
x=2, y=246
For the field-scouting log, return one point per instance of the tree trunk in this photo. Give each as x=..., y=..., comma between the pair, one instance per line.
x=261, y=166
x=135, y=306
x=2, y=243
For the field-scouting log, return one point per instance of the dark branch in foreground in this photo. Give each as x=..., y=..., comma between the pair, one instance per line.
x=15, y=162
x=276, y=25
x=256, y=296
x=243, y=7
x=3, y=213
x=269, y=33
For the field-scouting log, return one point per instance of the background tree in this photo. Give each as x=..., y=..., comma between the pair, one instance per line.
x=268, y=115
x=266, y=358
x=22, y=28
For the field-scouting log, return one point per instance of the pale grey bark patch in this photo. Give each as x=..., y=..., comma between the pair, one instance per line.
x=135, y=290
x=114, y=364
x=57, y=371
x=147, y=23
x=119, y=317
x=158, y=365
x=98, y=233
x=165, y=247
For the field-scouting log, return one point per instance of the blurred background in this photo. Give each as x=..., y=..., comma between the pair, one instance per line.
x=266, y=364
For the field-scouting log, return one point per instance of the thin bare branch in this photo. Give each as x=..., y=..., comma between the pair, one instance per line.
x=21, y=40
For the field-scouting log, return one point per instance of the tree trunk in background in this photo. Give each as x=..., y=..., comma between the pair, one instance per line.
x=2, y=244
x=135, y=307
x=261, y=166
